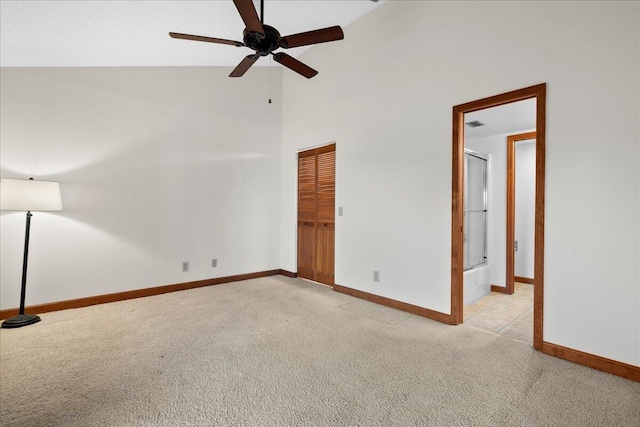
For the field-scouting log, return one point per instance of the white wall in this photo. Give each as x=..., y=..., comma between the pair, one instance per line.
x=385, y=95
x=156, y=165
x=525, y=189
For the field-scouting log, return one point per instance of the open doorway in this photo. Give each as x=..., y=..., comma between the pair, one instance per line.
x=499, y=196
x=479, y=216
x=521, y=196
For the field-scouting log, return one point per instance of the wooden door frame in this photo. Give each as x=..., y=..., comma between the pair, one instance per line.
x=511, y=213
x=457, y=202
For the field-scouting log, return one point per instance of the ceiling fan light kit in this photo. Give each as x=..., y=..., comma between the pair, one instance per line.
x=265, y=40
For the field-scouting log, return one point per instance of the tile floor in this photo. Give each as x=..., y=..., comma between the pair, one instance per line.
x=507, y=315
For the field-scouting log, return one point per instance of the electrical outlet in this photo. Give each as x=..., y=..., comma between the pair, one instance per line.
x=376, y=276
x=214, y=262
x=185, y=266
x=340, y=211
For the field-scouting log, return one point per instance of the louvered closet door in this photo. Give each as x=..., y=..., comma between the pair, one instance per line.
x=316, y=214
x=326, y=215
x=306, y=216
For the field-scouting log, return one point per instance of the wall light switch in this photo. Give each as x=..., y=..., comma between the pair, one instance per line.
x=340, y=211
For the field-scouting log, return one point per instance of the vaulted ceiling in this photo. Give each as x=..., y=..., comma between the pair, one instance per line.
x=135, y=33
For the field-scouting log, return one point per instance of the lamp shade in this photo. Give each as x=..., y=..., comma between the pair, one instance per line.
x=29, y=195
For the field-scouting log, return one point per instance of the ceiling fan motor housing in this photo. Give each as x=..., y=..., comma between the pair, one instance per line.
x=266, y=45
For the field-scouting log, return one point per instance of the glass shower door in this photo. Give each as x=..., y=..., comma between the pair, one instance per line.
x=475, y=210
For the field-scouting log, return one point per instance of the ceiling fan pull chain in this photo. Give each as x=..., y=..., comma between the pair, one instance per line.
x=269, y=79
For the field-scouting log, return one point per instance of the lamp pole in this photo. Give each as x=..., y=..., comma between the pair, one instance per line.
x=23, y=291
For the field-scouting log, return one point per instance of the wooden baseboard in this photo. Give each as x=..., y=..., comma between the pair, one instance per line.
x=501, y=289
x=288, y=273
x=138, y=293
x=409, y=308
x=523, y=279
x=614, y=367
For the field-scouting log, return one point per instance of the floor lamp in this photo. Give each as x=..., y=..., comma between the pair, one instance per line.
x=27, y=195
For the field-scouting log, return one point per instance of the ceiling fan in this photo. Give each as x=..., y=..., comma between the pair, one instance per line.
x=265, y=40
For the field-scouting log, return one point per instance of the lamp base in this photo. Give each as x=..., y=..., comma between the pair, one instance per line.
x=20, y=320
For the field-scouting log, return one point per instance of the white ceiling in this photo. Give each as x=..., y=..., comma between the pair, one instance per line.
x=135, y=33
x=508, y=118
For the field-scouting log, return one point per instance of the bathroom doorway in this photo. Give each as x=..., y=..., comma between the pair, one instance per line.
x=478, y=223
x=495, y=136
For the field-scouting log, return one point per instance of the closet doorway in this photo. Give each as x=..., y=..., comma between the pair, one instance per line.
x=316, y=214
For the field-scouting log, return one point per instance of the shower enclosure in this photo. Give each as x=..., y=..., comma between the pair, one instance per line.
x=475, y=210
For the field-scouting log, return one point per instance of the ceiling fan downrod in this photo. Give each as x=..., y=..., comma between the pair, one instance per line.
x=262, y=11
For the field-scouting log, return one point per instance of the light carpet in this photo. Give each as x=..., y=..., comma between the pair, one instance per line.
x=284, y=352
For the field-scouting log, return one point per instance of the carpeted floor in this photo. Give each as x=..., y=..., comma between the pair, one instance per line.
x=285, y=352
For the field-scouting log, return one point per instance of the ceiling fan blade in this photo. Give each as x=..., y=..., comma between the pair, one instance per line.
x=249, y=16
x=205, y=39
x=294, y=65
x=243, y=66
x=312, y=37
